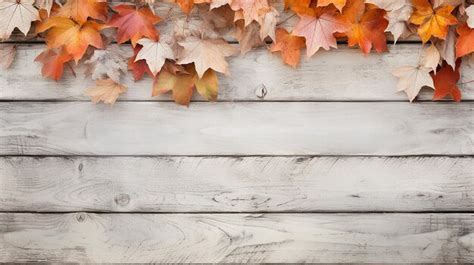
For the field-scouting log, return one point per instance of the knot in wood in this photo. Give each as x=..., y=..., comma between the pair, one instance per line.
x=122, y=199
x=261, y=91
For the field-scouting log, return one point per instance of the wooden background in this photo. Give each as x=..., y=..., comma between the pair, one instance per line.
x=326, y=163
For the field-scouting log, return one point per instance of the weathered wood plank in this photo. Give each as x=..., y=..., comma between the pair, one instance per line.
x=240, y=184
x=375, y=238
x=276, y=128
x=338, y=75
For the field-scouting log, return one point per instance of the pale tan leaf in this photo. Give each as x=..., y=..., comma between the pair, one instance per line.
x=206, y=54
x=16, y=14
x=154, y=53
x=110, y=63
x=430, y=57
x=412, y=79
x=447, y=47
x=106, y=90
x=268, y=24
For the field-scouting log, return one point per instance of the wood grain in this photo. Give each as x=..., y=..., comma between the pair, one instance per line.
x=276, y=128
x=374, y=238
x=236, y=184
x=338, y=75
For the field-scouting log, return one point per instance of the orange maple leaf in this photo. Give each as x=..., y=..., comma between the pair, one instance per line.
x=367, y=26
x=53, y=63
x=289, y=45
x=465, y=42
x=445, y=82
x=134, y=24
x=339, y=4
x=75, y=37
x=432, y=22
x=80, y=10
x=185, y=5
x=290, y=4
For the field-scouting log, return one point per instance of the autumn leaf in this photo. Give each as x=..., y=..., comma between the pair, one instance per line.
x=298, y=4
x=75, y=37
x=106, y=90
x=108, y=63
x=248, y=36
x=138, y=67
x=445, y=82
x=53, y=63
x=16, y=14
x=289, y=45
x=180, y=84
x=430, y=57
x=80, y=10
x=134, y=24
x=339, y=4
x=398, y=15
x=154, y=53
x=318, y=25
x=183, y=83
x=447, y=46
x=367, y=26
x=412, y=79
x=432, y=22
x=465, y=42
x=268, y=24
x=252, y=9
x=206, y=54
x=185, y=5
x=7, y=55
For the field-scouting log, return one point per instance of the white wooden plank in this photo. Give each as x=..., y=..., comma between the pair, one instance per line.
x=374, y=238
x=277, y=128
x=236, y=184
x=344, y=74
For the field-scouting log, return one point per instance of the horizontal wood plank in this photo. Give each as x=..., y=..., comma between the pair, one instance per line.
x=374, y=238
x=276, y=128
x=337, y=75
x=236, y=184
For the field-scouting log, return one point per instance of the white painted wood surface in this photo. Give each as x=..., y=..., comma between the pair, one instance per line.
x=236, y=184
x=337, y=75
x=276, y=128
x=376, y=238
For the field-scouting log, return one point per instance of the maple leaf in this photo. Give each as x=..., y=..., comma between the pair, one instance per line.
x=268, y=24
x=75, y=37
x=289, y=45
x=252, y=10
x=206, y=54
x=298, y=4
x=412, y=79
x=430, y=57
x=134, y=24
x=470, y=16
x=465, y=42
x=46, y=5
x=182, y=84
x=367, y=26
x=339, y=4
x=7, y=55
x=53, y=63
x=80, y=10
x=432, y=22
x=16, y=14
x=106, y=90
x=318, y=25
x=445, y=82
x=154, y=53
x=138, y=67
x=248, y=36
x=398, y=14
x=109, y=63
x=446, y=47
